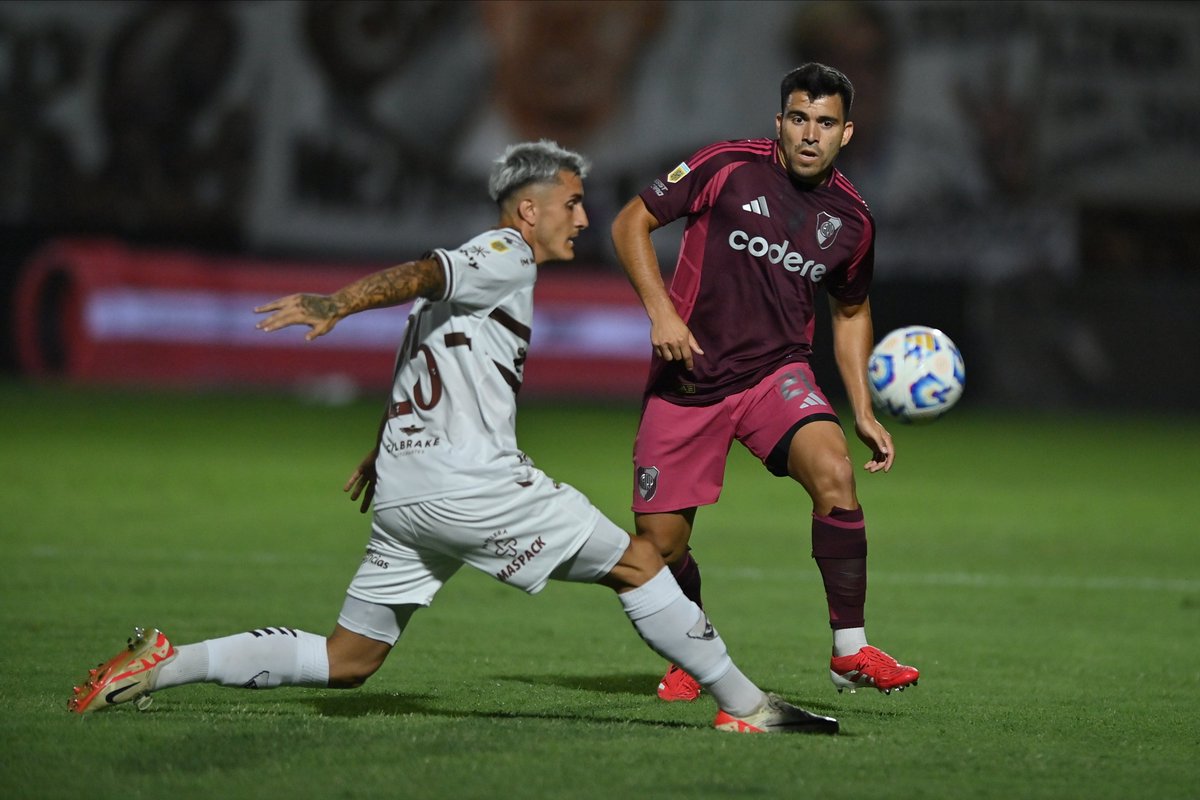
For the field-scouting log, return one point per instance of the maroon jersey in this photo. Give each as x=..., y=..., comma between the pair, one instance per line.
x=756, y=248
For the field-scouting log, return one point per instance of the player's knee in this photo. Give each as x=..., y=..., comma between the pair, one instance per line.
x=832, y=479
x=351, y=673
x=639, y=563
x=646, y=559
x=645, y=555
x=670, y=539
x=672, y=555
x=353, y=658
x=669, y=551
x=840, y=474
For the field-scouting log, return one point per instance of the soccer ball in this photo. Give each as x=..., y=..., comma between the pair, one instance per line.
x=916, y=374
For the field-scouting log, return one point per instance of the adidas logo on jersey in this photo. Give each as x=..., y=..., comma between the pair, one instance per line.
x=758, y=206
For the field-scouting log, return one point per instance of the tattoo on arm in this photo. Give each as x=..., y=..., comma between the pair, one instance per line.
x=391, y=286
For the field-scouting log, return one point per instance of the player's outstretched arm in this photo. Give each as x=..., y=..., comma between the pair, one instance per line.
x=388, y=287
x=853, y=337
x=670, y=336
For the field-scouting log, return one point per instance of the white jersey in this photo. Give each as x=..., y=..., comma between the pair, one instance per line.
x=452, y=417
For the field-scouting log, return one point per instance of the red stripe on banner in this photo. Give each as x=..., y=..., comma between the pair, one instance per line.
x=99, y=311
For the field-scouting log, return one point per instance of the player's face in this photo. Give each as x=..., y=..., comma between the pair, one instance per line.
x=560, y=218
x=811, y=134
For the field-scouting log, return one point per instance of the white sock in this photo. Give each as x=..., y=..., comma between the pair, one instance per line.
x=259, y=659
x=679, y=631
x=190, y=665
x=849, y=640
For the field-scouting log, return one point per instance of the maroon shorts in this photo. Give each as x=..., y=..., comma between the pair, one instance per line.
x=680, y=451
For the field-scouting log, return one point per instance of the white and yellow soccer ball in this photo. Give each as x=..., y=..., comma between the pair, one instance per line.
x=916, y=374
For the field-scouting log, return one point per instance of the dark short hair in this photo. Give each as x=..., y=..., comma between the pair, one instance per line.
x=818, y=80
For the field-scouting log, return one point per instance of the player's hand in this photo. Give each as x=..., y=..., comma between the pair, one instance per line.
x=672, y=340
x=876, y=437
x=317, y=311
x=362, y=482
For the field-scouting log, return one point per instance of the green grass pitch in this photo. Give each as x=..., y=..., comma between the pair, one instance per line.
x=1042, y=571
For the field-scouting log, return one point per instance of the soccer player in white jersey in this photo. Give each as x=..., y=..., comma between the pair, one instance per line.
x=450, y=485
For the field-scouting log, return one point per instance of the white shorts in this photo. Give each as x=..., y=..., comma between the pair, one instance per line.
x=518, y=534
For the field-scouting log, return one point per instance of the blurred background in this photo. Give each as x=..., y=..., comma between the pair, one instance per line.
x=1033, y=168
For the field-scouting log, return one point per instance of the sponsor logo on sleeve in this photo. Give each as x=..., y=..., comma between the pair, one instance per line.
x=679, y=173
x=473, y=254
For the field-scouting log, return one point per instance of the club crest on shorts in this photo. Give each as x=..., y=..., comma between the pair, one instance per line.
x=647, y=482
x=827, y=229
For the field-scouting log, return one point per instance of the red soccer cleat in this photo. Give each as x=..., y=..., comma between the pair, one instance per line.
x=678, y=685
x=870, y=666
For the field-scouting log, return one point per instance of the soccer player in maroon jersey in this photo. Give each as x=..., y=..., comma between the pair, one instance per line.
x=769, y=222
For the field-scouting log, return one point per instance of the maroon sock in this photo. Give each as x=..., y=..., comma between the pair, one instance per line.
x=839, y=545
x=687, y=575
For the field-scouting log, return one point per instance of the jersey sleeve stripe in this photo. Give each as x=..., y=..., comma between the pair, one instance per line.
x=865, y=243
x=443, y=258
x=840, y=181
x=712, y=189
x=753, y=147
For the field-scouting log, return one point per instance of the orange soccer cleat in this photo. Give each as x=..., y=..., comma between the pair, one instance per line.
x=129, y=675
x=776, y=715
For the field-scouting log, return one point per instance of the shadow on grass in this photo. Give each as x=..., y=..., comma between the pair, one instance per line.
x=635, y=683
x=360, y=704
x=868, y=703
x=640, y=684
